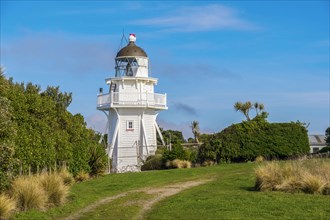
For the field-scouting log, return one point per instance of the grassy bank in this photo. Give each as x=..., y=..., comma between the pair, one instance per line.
x=232, y=196
x=229, y=196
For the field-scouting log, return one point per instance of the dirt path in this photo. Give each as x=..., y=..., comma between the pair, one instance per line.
x=164, y=192
x=159, y=192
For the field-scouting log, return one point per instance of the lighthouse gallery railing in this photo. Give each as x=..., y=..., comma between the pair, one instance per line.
x=114, y=99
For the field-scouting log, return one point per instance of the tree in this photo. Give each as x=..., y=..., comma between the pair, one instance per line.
x=195, y=130
x=327, y=136
x=245, y=108
x=258, y=107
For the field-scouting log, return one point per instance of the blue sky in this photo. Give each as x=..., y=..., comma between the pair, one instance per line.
x=206, y=54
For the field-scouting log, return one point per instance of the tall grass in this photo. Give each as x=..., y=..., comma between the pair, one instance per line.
x=28, y=193
x=54, y=188
x=66, y=176
x=82, y=176
x=310, y=176
x=7, y=206
x=180, y=163
x=41, y=191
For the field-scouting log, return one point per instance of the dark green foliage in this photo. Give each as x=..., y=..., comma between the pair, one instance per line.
x=154, y=162
x=164, y=154
x=327, y=136
x=8, y=131
x=247, y=140
x=37, y=130
x=325, y=149
x=172, y=136
x=177, y=152
x=97, y=160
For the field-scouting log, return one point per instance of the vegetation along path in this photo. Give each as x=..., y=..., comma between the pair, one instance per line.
x=158, y=193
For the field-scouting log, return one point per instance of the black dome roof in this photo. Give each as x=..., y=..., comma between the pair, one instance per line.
x=131, y=50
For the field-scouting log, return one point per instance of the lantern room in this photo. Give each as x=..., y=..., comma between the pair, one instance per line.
x=131, y=60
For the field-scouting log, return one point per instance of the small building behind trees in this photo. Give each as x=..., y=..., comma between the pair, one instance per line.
x=316, y=142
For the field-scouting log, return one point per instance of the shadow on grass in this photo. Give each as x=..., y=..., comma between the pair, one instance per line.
x=250, y=189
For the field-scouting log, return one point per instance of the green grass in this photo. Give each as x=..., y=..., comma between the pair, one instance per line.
x=229, y=196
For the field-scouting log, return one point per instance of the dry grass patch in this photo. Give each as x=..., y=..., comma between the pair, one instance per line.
x=28, y=193
x=67, y=177
x=180, y=164
x=82, y=176
x=310, y=176
x=54, y=188
x=7, y=206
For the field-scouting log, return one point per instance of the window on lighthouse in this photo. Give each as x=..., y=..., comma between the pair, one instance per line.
x=129, y=126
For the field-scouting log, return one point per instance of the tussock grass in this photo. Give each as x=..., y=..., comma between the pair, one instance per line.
x=82, y=176
x=259, y=159
x=7, y=206
x=180, y=164
x=28, y=193
x=208, y=163
x=268, y=177
x=310, y=176
x=54, y=188
x=67, y=177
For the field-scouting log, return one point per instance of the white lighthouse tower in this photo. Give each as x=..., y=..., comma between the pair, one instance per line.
x=131, y=107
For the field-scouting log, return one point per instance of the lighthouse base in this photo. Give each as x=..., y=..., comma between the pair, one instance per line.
x=126, y=169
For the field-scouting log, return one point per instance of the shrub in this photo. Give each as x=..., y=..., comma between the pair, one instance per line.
x=66, y=176
x=54, y=187
x=97, y=160
x=247, y=140
x=168, y=164
x=177, y=152
x=82, y=176
x=28, y=193
x=153, y=162
x=325, y=149
x=7, y=206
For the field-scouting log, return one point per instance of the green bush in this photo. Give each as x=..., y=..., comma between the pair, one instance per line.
x=49, y=134
x=177, y=152
x=325, y=149
x=153, y=162
x=97, y=160
x=248, y=140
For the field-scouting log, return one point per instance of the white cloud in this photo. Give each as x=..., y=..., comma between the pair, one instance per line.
x=200, y=18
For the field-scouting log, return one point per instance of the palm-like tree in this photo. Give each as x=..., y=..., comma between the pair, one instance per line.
x=244, y=108
x=258, y=107
x=195, y=130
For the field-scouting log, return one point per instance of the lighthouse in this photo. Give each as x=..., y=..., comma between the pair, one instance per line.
x=131, y=107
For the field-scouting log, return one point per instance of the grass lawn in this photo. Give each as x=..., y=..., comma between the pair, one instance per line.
x=229, y=196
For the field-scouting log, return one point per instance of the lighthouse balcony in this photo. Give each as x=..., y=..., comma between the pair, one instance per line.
x=121, y=99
